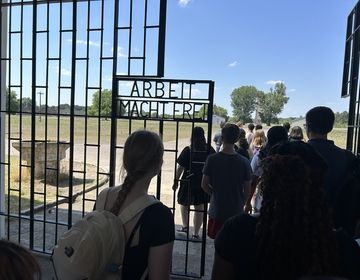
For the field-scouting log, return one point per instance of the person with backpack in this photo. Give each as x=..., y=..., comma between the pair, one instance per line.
x=133, y=233
x=190, y=164
x=342, y=179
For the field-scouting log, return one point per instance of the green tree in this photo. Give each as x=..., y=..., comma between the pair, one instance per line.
x=106, y=104
x=341, y=119
x=26, y=104
x=217, y=110
x=12, y=102
x=273, y=103
x=243, y=101
x=221, y=112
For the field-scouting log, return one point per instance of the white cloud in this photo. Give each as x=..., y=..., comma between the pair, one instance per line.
x=184, y=3
x=120, y=52
x=292, y=90
x=83, y=42
x=232, y=64
x=272, y=82
x=64, y=71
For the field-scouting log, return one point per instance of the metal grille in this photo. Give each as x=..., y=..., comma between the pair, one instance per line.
x=350, y=85
x=68, y=70
x=171, y=108
x=56, y=57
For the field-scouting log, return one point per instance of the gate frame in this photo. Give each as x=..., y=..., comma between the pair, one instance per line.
x=350, y=82
x=5, y=7
x=206, y=120
x=3, y=32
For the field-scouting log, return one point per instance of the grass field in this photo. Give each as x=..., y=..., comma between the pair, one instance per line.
x=96, y=131
x=92, y=130
x=338, y=135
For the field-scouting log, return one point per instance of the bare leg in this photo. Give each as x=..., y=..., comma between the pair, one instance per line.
x=198, y=218
x=184, y=215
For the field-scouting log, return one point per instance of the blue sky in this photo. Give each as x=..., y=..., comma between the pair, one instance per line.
x=257, y=42
x=233, y=42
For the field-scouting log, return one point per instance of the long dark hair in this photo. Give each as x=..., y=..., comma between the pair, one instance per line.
x=242, y=142
x=294, y=232
x=276, y=134
x=143, y=153
x=198, y=141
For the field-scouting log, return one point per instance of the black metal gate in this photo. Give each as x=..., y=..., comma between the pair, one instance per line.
x=172, y=108
x=76, y=78
x=350, y=84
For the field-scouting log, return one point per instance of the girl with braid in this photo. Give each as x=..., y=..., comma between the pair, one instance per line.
x=293, y=236
x=152, y=233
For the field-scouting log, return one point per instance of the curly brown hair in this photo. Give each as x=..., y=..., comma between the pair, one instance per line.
x=294, y=232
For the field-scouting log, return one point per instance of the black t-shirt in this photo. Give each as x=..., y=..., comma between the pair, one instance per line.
x=156, y=228
x=336, y=160
x=193, y=162
x=236, y=243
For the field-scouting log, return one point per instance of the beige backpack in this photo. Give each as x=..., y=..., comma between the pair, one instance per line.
x=94, y=247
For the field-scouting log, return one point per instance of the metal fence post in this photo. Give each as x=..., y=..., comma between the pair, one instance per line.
x=3, y=20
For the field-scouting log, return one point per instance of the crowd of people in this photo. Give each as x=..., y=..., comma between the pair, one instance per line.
x=280, y=207
x=304, y=202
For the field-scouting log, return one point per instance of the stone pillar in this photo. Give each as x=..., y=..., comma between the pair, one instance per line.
x=48, y=158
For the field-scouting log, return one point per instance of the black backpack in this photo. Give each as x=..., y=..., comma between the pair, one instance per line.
x=347, y=208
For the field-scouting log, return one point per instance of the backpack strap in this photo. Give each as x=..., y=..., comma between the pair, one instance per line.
x=101, y=200
x=136, y=207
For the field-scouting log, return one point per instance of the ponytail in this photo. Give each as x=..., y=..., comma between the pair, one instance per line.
x=126, y=187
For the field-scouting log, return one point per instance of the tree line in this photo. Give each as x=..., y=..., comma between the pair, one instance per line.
x=245, y=100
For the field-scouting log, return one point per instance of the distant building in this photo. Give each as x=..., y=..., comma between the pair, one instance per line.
x=257, y=119
x=217, y=120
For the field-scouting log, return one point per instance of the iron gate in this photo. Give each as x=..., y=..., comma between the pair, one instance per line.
x=172, y=108
x=66, y=110
x=350, y=84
